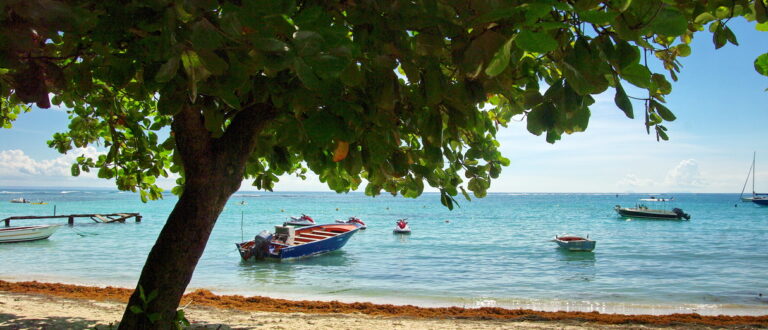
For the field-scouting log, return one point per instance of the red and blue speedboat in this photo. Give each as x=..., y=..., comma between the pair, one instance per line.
x=291, y=242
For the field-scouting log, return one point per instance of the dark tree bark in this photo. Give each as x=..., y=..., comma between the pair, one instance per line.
x=213, y=171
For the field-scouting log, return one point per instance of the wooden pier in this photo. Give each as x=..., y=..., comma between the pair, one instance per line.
x=99, y=218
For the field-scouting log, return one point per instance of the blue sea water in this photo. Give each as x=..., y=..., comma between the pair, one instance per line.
x=494, y=251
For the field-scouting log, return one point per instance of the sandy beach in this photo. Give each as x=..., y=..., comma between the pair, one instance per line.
x=36, y=305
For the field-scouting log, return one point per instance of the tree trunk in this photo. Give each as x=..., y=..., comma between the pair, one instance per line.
x=173, y=259
x=213, y=171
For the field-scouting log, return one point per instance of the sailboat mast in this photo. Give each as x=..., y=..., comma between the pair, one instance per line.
x=753, y=172
x=747, y=180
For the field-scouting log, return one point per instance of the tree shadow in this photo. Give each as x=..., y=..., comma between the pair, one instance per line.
x=12, y=321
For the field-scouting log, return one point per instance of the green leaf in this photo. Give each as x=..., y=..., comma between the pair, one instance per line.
x=537, y=42
x=761, y=64
x=598, y=16
x=306, y=75
x=626, y=54
x=215, y=64
x=352, y=76
x=660, y=132
x=168, y=70
x=761, y=12
x=75, y=170
x=683, y=50
x=663, y=111
x=269, y=44
x=205, y=35
x=719, y=37
x=620, y=5
x=637, y=75
x=152, y=295
x=136, y=309
x=195, y=70
x=500, y=59
x=669, y=22
x=730, y=36
x=154, y=317
x=308, y=43
x=622, y=101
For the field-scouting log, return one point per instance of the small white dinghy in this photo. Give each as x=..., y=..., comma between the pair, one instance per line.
x=575, y=243
x=26, y=233
x=402, y=227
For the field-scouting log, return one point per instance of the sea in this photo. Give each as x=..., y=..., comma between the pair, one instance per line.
x=488, y=252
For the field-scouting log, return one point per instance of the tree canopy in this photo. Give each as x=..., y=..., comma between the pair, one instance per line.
x=385, y=91
x=395, y=94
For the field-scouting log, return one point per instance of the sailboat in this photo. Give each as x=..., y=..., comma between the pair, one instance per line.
x=754, y=194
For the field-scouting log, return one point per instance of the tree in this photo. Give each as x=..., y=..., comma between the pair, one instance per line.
x=390, y=93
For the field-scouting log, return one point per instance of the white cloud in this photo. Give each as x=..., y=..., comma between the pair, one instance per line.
x=631, y=181
x=685, y=175
x=15, y=163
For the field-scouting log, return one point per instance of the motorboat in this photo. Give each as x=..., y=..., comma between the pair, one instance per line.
x=354, y=220
x=402, y=227
x=575, y=243
x=26, y=233
x=20, y=200
x=657, y=199
x=297, y=242
x=303, y=220
x=644, y=212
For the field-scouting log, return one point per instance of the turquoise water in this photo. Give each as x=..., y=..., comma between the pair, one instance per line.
x=493, y=251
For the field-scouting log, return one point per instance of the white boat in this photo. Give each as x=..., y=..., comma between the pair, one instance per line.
x=20, y=200
x=657, y=199
x=575, y=243
x=402, y=227
x=26, y=233
x=754, y=194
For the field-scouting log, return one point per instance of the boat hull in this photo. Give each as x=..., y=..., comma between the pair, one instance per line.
x=576, y=245
x=319, y=247
x=26, y=234
x=760, y=201
x=649, y=214
x=276, y=250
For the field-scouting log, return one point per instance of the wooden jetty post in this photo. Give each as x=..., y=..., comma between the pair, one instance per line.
x=100, y=218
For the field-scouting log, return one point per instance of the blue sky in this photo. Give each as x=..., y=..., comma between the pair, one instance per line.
x=721, y=105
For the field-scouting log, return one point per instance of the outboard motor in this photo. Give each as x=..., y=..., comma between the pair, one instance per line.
x=681, y=214
x=261, y=244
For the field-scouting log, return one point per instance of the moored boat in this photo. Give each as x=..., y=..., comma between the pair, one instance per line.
x=401, y=227
x=754, y=194
x=354, y=220
x=575, y=243
x=303, y=220
x=20, y=200
x=26, y=233
x=762, y=201
x=657, y=199
x=646, y=213
x=296, y=242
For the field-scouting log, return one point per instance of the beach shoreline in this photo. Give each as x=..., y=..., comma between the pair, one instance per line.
x=205, y=307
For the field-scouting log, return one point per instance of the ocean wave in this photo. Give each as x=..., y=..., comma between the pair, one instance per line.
x=11, y=192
